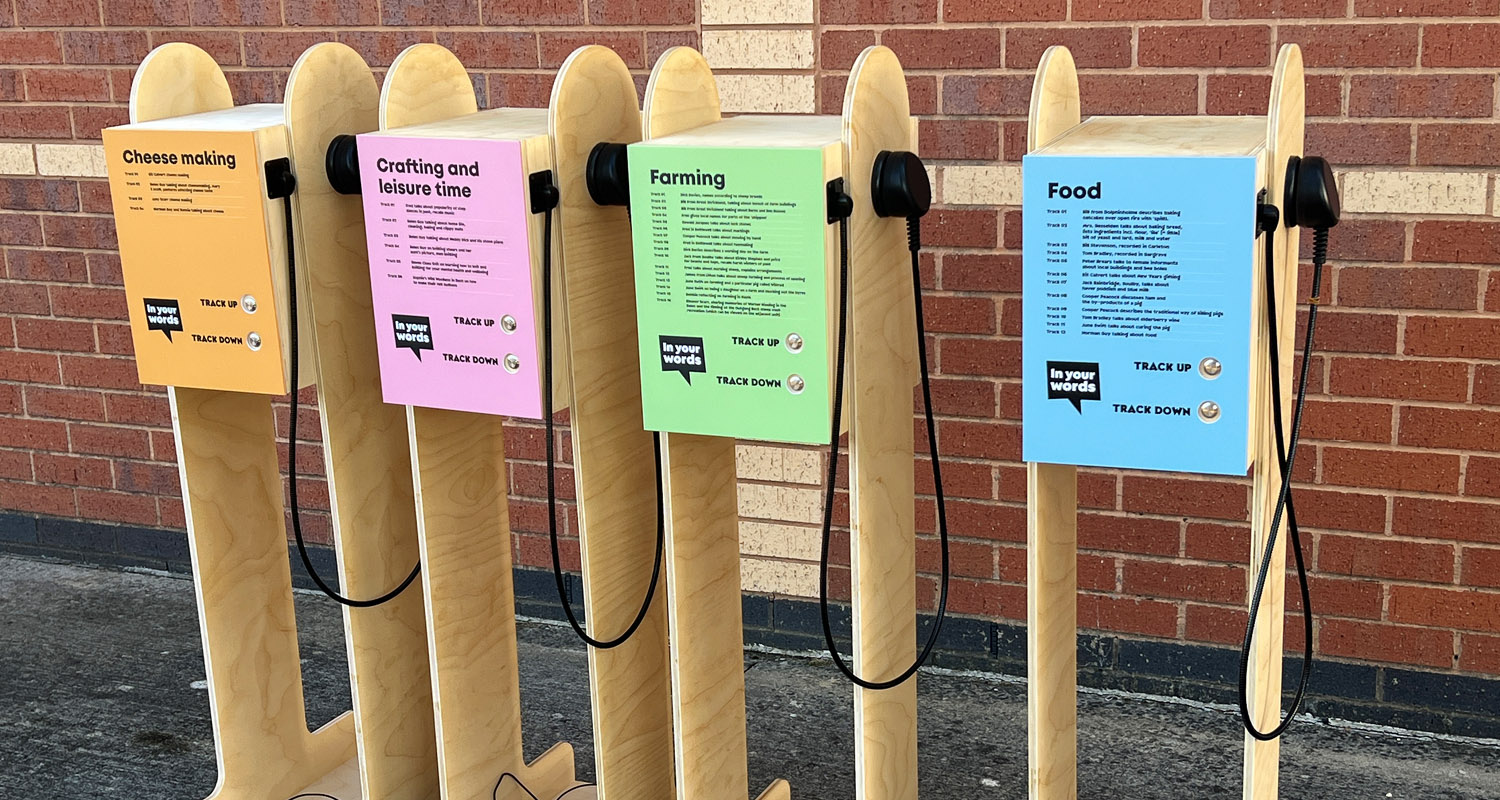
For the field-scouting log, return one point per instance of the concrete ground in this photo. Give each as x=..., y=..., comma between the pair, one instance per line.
x=101, y=696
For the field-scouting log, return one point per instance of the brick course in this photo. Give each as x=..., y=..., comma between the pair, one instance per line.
x=1400, y=474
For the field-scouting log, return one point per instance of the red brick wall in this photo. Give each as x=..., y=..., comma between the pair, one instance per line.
x=1400, y=471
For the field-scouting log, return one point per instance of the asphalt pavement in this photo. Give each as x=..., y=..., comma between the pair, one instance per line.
x=102, y=696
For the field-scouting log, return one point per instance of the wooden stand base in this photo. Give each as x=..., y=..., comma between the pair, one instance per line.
x=594, y=101
x=343, y=781
x=461, y=484
x=1052, y=494
x=232, y=495
x=331, y=91
x=226, y=452
x=882, y=345
x=703, y=543
x=703, y=553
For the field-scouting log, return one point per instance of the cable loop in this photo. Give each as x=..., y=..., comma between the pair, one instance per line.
x=291, y=442
x=914, y=244
x=1285, y=457
x=661, y=522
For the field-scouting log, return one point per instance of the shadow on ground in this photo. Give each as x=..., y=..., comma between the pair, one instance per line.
x=101, y=695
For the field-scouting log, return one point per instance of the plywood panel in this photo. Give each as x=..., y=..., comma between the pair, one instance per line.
x=331, y=91
x=882, y=342
x=1052, y=531
x=703, y=572
x=752, y=130
x=1161, y=136
x=461, y=485
x=497, y=124
x=1052, y=630
x=593, y=101
x=1284, y=134
x=466, y=555
x=226, y=452
x=231, y=490
x=342, y=782
x=431, y=84
x=175, y=80
x=1054, y=98
x=680, y=95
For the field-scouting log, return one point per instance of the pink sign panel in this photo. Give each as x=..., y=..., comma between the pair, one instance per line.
x=450, y=273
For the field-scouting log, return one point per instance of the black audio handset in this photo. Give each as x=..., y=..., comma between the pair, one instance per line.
x=898, y=188
x=1310, y=200
x=280, y=182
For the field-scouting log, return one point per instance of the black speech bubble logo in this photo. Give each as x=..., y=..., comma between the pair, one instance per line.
x=163, y=315
x=683, y=355
x=1074, y=381
x=413, y=333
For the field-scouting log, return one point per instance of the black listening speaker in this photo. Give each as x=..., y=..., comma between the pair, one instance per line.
x=1312, y=196
x=899, y=185
x=342, y=164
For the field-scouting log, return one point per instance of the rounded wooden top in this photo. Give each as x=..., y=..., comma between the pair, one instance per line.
x=177, y=79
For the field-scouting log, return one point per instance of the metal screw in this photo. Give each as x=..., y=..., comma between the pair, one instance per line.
x=794, y=342
x=508, y=324
x=253, y=340
x=1210, y=367
x=512, y=362
x=248, y=303
x=1208, y=410
x=795, y=384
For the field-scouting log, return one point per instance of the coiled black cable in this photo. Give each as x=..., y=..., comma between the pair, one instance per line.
x=661, y=522
x=913, y=236
x=291, y=440
x=1286, y=454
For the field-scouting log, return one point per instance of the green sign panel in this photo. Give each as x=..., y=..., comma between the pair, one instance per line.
x=731, y=290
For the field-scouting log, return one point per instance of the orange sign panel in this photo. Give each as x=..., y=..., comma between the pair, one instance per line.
x=203, y=253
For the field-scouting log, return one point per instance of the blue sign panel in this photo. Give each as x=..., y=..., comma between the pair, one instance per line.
x=1139, y=273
